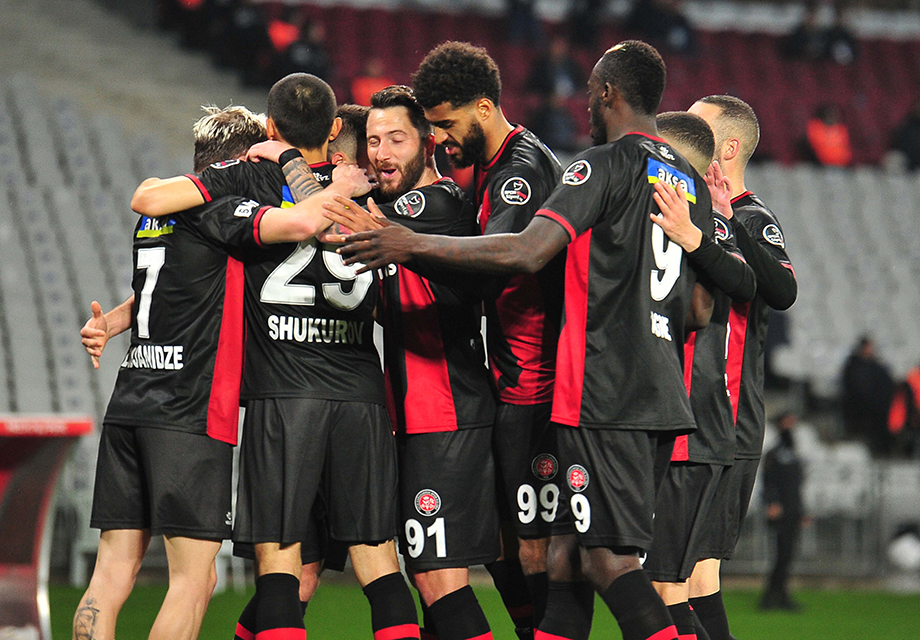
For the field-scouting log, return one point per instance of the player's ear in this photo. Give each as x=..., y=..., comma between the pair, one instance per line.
x=270, y=129
x=731, y=148
x=338, y=158
x=429, y=145
x=336, y=128
x=484, y=108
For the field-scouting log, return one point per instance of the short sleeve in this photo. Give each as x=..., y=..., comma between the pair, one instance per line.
x=230, y=222
x=768, y=233
x=437, y=209
x=580, y=198
x=515, y=195
x=228, y=178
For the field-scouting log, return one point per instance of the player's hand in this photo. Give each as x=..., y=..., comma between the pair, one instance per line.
x=353, y=176
x=391, y=244
x=674, y=218
x=268, y=150
x=95, y=333
x=348, y=218
x=720, y=188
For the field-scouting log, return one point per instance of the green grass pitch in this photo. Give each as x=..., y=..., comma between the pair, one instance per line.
x=340, y=612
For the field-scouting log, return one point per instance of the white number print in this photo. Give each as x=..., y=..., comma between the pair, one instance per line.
x=581, y=509
x=277, y=288
x=527, y=502
x=415, y=537
x=668, y=263
x=151, y=260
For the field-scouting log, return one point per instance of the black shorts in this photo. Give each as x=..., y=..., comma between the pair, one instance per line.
x=684, y=520
x=735, y=496
x=313, y=548
x=297, y=449
x=447, y=499
x=524, y=442
x=171, y=482
x=610, y=482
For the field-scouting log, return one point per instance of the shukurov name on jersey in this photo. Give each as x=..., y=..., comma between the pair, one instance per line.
x=661, y=172
x=154, y=356
x=315, y=330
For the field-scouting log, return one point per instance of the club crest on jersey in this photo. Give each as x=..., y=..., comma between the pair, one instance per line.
x=774, y=236
x=577, y=477
x=427, y=502
x=545, y=466
x=245, y=209
x=665, y=152
x=411, y=204
x=661, y=172
x=721, y=232
x=516, y=191
x=577, y=173
x=223, y=164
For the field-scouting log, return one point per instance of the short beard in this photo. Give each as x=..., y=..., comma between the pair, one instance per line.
x=411, y=172
x=472, y=148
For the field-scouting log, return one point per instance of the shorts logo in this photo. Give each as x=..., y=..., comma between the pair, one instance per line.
x=544, y=466
x=427, y=502
x=577, y=173
x=245, y=209
x=223, y=164
x=516, y=191
x=229, y=519
x=774, y=236
x=722, y=232
x=411, y=205
x=577, y=477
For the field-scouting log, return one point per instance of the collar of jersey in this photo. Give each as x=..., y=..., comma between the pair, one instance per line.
x=645, y=135
x=517, y=129
x=738, y=197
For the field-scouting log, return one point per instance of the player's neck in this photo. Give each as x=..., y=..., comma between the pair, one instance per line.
x=429, y=176
x=634, y=124
x=736, y=178
x=496, y=133
x=313, y=156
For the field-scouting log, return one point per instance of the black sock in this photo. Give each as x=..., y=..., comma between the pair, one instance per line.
x=508, y=577
x=246, y=625
x=683, y=620
x=392, y=607
x=458, y=616
x=428, y=630
x=569, y=609
x=638, y=608
x=278, y=610
x=303, y=608
x=711, y=612
x=701, y=633
x=537, y=584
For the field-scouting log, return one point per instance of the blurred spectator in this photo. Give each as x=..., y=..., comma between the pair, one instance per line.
x=663, y=21
x=867, y=391
x=306, y=54
x=556, y=72
x=827, y=139
x=284, y=29
x=523, y=26
x=584, y=17
x=904, y=414
x=783, y=476
x=553, y=124
x=906, y=138
x=811, y=41
x=243, y=43
x=371, y=80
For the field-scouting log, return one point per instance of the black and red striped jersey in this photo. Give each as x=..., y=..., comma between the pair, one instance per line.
x=309, y=317
x=523, y=321
x=183, y=366
x=433, y=351
x=748, y=326
x=628, y=289
x=705, y=358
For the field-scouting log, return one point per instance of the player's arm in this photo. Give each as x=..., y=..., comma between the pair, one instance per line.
x=700, y=312
x=100, y=327
x=775, y=280
x=722, y=268
x=159, y=197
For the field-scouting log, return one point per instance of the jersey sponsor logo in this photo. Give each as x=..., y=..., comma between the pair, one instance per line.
x=154, y=356
x=665, y=152
x=155, y=227
x=661, y=172
x=427, y=502
x=721, y=233
x=245, y=209
x=577, y=173
x=660, y=326
x=516, y=191
x=545, y=466
x=577, y=477
x=411, y=204
x=223, y=164
x=774, y=236
x=315, y=330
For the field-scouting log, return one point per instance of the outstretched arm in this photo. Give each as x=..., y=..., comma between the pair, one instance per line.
x=99, y=328
x=159, y=197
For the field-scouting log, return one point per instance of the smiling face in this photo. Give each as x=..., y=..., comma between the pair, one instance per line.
x=459, y=131
x=395, y=151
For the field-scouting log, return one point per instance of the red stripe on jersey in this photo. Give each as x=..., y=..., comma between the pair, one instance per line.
x=198, y=183
x=737, y=324
x=485, y=636
x=570, y=357
x=668, y=633
x=256, y=222
x=738, y=197
x=285, y=633
x=518, y=129
x=398, y=632
x=243, y=633
x=645, y=135
x=788, y=266
x=681, y=450
x=429, y=402
x=552, y=215
x=542, y=635
x=224, y=402
x=485, y=212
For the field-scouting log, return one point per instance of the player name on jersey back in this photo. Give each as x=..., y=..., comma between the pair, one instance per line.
x=315, y=330
x=154, y=356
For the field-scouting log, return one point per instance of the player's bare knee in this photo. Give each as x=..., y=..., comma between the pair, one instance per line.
x=532, y=554
x=562, y=559
x=602, y=565
x=309, y=580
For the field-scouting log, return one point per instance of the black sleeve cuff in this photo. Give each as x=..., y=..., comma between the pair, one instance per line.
x=289, y=155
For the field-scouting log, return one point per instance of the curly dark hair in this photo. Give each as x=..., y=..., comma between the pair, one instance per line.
x=457, y=73
x=302, y=106
x=399, y=95
x=636, y=69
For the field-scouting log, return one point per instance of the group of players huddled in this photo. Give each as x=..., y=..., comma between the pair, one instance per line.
x=606, y=444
